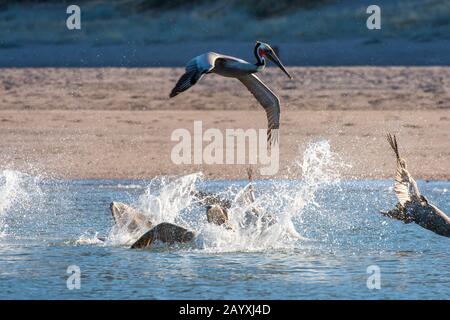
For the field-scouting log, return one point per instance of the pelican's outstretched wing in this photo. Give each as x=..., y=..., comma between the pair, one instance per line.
x=195, y=69
x=405, y=186
x=268, y=100
x=246, y=197
x=125, y=215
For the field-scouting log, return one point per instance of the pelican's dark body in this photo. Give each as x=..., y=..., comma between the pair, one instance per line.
x=165, y=232
x=412, y=206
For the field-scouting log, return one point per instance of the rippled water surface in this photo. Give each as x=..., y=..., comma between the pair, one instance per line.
x=328, y=234
x=47, y=226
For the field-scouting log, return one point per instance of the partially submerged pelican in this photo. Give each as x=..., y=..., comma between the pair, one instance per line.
x=218, y=206
x=228, y=66
x=412, y=206
x=165, y=232
x=254, y=215
x=139, y=226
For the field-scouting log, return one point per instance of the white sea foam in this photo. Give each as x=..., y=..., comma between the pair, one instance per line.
x=87, y=239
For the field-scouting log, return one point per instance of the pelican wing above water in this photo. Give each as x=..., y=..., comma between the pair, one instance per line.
x=405, y=186
x=268, y=100
x=412, y=206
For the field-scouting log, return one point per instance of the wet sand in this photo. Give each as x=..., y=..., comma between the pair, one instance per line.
x=117, y=123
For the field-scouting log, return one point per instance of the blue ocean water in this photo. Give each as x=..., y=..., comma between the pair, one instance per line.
x=48, y=225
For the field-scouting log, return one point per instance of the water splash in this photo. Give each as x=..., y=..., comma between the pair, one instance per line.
x=10, y=189
x=163, y=201
x=89, y=238
x=170, y=200
x=165, y=197
x=319, y=167
x=19, y=192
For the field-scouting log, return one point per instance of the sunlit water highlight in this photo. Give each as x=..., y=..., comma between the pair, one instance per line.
x=47, y=225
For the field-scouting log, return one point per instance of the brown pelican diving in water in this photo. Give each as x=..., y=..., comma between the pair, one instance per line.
x=412, y=206
x=217, y=210
x=228, y=66
x=143, y=232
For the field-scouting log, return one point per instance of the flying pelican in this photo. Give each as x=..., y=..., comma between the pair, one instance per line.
x=228, y=66
x=412, y=206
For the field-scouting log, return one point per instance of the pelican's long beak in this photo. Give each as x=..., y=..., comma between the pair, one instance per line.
x=273, y=57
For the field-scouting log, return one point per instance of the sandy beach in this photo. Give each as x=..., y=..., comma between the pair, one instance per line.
x=111, y=190
x=117, y=122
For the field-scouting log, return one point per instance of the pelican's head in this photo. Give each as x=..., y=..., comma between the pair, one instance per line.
x=263, y=51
